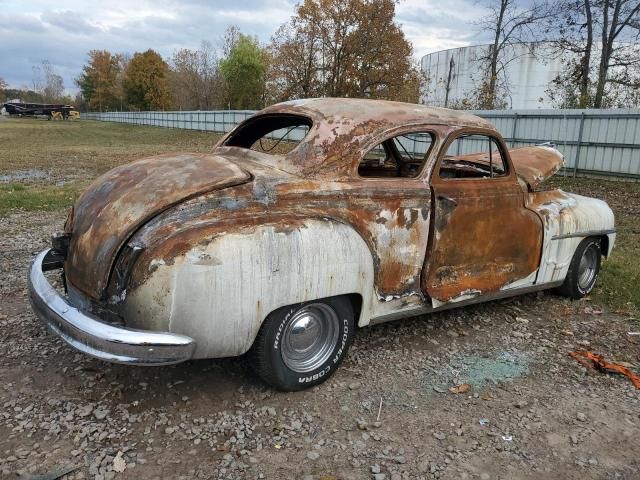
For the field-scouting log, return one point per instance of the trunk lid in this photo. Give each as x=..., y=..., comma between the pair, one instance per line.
x=123, y=199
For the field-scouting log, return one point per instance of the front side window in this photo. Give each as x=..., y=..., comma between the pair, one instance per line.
x=473, y=156
x=271, y=133
x=400, y=156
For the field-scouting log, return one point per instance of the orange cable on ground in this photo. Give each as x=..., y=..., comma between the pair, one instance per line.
x=599, y=363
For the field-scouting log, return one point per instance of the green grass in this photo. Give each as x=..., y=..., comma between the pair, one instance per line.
x=88, y=148
x=48, y=164
x=18, y=196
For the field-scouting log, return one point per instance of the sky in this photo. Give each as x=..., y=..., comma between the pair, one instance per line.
x=63, y=32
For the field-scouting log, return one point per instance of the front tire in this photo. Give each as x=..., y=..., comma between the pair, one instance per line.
x=302, y=345
x=583, y=269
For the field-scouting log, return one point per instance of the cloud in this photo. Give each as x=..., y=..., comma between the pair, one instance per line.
x=34, y=30
x=432, y=25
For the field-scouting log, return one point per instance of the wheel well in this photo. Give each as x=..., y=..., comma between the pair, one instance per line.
x=354, y=298
x=604, y=245
x=356, y=303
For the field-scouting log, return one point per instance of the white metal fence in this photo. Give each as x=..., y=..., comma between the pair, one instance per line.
x=605, y=142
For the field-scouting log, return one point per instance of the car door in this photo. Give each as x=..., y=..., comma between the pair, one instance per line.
x=482, y=237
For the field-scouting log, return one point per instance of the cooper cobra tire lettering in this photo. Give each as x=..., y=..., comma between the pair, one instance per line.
x=266, y=353
x=345, y=338
x=276, y=342
x=315, y=377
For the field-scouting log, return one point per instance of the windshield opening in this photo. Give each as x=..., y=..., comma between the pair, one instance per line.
x=271, y=133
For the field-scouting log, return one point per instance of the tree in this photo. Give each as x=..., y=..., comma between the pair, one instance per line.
x=53, y=84
x=98, y=80
x=119, y=87
x=343, y=48
x=28, y=96
x=47, y=83
x=229, y=39
x=37, y=84
x=294, y=72
x=509, y=24
x=243, y=72
x=146, y=82
x=3, y=86
x=381, y=65
x=194, y=80
x=597, y=39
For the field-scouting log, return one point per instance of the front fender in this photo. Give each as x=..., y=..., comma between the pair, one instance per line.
x=568, y=219
x=221, y=289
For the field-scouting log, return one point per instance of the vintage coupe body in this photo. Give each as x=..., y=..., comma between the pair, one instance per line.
x=378, y=210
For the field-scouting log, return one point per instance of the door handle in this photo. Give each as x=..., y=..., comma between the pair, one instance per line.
x=444, y=198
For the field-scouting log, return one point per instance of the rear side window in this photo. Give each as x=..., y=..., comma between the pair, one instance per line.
x=271, y=133
x=473, y=156
x=400, y=156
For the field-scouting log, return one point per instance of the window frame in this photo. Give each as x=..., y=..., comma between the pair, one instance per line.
x=391, y=134
x=242, y=129
x=508, y=174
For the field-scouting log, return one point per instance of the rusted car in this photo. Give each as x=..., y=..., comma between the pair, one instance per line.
x=308, y=220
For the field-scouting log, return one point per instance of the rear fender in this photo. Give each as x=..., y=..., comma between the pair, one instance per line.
x=220, y=291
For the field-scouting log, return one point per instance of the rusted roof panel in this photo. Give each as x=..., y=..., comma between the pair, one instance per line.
x=336, y=111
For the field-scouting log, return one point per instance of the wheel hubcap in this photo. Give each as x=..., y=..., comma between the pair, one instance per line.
x=309, y=337
x=587, y=269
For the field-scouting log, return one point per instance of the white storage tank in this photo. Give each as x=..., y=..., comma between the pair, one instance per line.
x=454, y=74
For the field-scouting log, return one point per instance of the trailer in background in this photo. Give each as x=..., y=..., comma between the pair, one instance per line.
x=50, y=110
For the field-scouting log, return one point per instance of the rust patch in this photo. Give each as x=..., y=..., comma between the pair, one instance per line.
x=535, y=164
x=119, y=202
x=388, y=219
x=484, y=238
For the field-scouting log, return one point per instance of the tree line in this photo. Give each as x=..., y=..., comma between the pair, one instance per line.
x=337, y=48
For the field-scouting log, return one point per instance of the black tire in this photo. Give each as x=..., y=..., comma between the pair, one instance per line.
x=576, y=285
x=267, y=354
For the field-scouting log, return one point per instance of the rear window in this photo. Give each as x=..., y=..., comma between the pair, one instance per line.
x=271, y=133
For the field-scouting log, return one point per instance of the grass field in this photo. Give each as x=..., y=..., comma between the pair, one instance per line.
x=45, y=165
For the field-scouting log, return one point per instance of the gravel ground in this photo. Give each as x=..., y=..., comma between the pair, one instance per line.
x=531, y=411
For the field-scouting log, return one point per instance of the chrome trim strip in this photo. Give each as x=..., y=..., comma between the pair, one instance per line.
x=589, y=233
x=98, y=339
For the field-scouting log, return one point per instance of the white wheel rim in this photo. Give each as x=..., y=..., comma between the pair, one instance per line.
x=587, y=268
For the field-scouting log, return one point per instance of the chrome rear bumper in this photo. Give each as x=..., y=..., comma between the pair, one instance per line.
x=94, y=337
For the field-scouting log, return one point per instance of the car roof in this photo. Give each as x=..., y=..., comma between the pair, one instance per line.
x=339, y=110
x=342, y=126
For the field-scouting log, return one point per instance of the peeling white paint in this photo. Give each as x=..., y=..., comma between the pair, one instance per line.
x=569, y=214
x=222, y=306
x=465, y=295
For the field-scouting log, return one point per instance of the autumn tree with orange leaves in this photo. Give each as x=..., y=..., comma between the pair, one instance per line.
x=146, y=82
x=343, y=48
x=99, y=80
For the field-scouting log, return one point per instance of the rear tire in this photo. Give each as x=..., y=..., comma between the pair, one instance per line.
x=583, y=270
x=302, y=345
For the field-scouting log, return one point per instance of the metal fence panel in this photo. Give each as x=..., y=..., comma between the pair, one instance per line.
x=593, y=141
